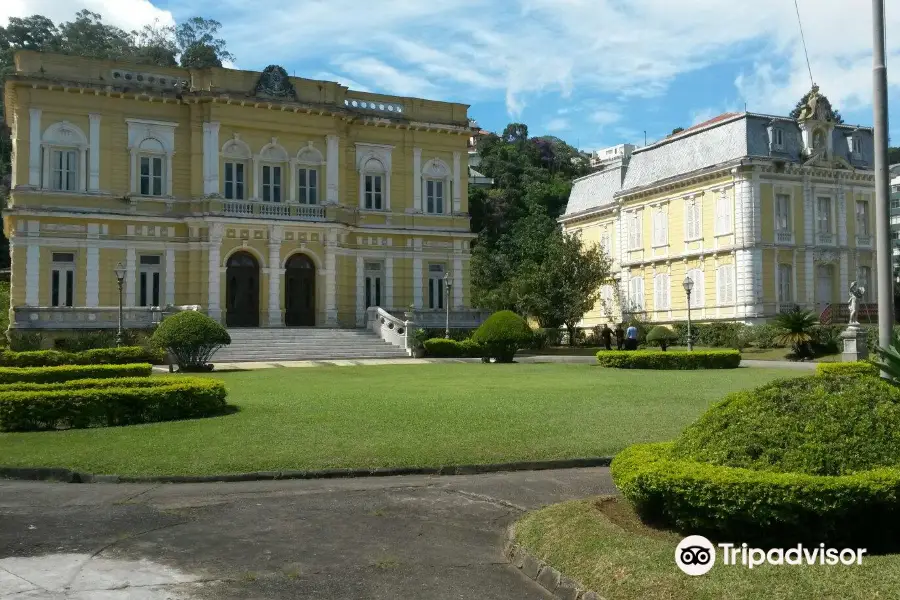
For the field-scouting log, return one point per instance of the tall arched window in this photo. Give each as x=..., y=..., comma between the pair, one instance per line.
x=152, y=173
x=236, y=157
x=152, y=145
x=271, y=164
x=307, y=168
x=64, y=158
x=374, y=184
x=436, y=187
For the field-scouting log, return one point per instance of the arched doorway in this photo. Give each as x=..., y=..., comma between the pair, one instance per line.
x=300, y=292
x=242, y=290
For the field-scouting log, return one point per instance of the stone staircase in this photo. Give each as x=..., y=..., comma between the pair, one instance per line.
x=304, y=343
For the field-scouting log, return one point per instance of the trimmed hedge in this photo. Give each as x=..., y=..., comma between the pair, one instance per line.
x=145, y=382
x=108, y=406
x=192, y=338
x=444, y=348
x=743, y=505
x=858, y=368
x=70, y=372
x=98, y=356
x=502, y=334
x=657, y=359
x=662, y=336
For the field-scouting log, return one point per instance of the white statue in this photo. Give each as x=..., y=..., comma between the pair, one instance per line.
x=856, y=293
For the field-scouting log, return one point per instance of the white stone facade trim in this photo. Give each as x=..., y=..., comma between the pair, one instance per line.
x=94, y=153
x=34, y=147
x=170, y=277
x=457, y=182
x=92, y=274
x=130, y=276
x=211, y=158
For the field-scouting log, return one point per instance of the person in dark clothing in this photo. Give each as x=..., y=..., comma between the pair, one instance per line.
x=620, y=337
x=606, y=336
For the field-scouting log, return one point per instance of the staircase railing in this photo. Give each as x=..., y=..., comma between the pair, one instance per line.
x=389, y=328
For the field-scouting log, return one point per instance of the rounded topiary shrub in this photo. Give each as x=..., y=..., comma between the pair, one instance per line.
x=814, y=425
x=661, y=336
x=501, y=335
x=192, y=338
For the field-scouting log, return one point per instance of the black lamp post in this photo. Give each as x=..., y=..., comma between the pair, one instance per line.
x=448, y=284
x=120, y=279
x=688, y=284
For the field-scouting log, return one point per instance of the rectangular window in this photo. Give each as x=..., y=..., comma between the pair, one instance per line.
x=271, y=183
x=634, y=225
x=434, y=196
x=435, y=286
x=62, y=279
x=862, y=218
x=64, y=173
x=636, y=293
x=782, y=212
x=661, y=296
x=785, y=284
x=823, y=214
x=660, y=229
x=308, y=186
x=895, y=204
x=693, y=225
x=149, y=281
x=698, y=292
x=373, y=192
x=605, y=243
x=151, y=178
x=234, y=181
x=725, y=282
x=778, y=137
x=864, y=280
x=374, y=283
x=856, y=145
x=723, y=214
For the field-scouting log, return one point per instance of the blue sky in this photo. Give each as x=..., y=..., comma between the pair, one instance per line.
x=593, y=72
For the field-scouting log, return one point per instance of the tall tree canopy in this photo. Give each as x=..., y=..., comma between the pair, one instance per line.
x=516, y=219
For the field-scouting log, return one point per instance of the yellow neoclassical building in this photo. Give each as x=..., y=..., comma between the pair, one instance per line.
x=761, y=212
x=265, y=199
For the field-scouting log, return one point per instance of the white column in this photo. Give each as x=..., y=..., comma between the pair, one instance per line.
x=810, y=279
x=457, y=183
x=214, y=309
x=276, y=232
x=257, y=177
x=457, y=282
x=417, y=273
x=170, y=276
x=34, y=147
x=92, y=274
x=330, y=279
x=841, y=216
x=417, y=179
x=389, y=282
x=33, y=267
x=133, y=176
x=332, y=167
x=360, y=291
x=130, y=276
x=82, y=169
x=844, y=276
x=211, y=158
x=292, y=194
x=94, y=154
x=169, y=175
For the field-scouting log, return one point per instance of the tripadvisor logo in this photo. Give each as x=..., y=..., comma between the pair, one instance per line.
x=696, y=555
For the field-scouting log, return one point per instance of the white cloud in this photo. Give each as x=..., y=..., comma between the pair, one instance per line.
x=389, y=78
x=342, y=79
x=557, y=124
x=127, y=14
x=605, y=116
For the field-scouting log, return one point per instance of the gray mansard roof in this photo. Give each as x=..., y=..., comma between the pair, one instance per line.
x=724, y=139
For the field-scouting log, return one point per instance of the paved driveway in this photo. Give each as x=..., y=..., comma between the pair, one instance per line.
x=375, y=538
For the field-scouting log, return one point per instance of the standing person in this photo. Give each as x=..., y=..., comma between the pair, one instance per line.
x=631, y=338
x=620, y=336
x=606, y=336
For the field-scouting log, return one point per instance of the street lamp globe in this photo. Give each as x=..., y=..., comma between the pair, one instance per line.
x=688, y=284
x=120, y=272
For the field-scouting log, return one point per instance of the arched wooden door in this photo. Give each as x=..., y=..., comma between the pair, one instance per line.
x=300, y=292
x=242, y=290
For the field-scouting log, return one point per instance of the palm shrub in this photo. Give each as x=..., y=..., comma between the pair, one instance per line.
x=889, y=358
x=501, y=335
x=192, y=338
x=661, y=336
x=796, y=327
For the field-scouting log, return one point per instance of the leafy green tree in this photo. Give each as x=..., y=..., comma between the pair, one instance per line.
x=677, y=130
x=199, y=47
x=90, y=37
x=565, y=284
x=155, y=44
x=894, y=155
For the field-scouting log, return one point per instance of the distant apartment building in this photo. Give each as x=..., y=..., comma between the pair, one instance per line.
x=611, y=157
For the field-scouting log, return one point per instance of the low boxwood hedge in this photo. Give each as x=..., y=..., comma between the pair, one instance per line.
x=107, y=406
x=731, y=504
x=444, y=348
x=858, y=368
x=657, y=359
x=95, y=383
x=98, y=356
x=70, y=372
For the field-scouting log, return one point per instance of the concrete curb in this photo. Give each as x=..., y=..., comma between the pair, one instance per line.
x=543, y=574
x=69, y=476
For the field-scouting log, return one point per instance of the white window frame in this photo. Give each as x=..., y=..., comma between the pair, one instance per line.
x=778, y=138
x=693, y=219
x=272, y=156
x=725, y=285
x=662, y=299
x=698, y=293
x=151, y=139
x=435, y=204
x=154, y=160
x=606, y=241
x=374, y=292
x=64, y=137
x=236, y=152
x=864, y=279
x=63, y=271
x=436, y=293
x=855, y=146
x=789, y=225
x=236, y=184
x=660, y=228
x=374, y=160
x=785, y=283
x=69, y=174
x=635, y=226
x=149, y=275
x=724, y=219
x=308, y=193
x=829, y=213
x=866, y=231
x=274, y=189
x=636, y=294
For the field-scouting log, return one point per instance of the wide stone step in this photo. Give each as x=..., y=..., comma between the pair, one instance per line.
x=292, y=344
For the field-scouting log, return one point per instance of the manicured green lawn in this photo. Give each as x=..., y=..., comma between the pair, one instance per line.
x=404, y=415
x=603, y=545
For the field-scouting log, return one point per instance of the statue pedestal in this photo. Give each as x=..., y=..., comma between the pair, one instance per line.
x=855, y=347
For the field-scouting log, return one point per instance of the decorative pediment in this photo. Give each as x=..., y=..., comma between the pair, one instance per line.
x=274, y=83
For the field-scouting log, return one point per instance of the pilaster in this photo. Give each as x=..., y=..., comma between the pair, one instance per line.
x=417, y=179
x=94, y=154
x=34, y=147
x=332, y=169
x=33, y=265
x=457, y=279
x=130, y=276
x=92, y=274
x=276, y=272
x=331, y=279
x=389, y=282
x=210, y=158
x=360, y=291
x=216, y=232
x=457, y=184
x=170, y=277
x=417, y=273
